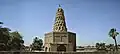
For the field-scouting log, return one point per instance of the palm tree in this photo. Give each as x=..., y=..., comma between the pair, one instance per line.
x=113, y=34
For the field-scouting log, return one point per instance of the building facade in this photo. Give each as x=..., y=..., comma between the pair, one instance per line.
x=60, y=39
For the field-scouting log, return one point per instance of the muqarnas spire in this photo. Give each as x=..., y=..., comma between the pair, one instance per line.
x=60, y=24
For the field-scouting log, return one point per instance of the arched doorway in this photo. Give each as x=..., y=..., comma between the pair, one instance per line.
x=61, y=48
x=45, y=48
x=49, y=49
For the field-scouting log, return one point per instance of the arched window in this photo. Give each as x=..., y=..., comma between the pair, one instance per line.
x=56, y=28
x=61, y=24
x=59, y=28
x=57, y=18
x=58, y=21
x=62, y=28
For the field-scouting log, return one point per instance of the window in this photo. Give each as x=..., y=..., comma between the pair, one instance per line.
x=61, y=24
x=49, y=49
x=57, y=18
x=59, y=28
x=56, y=28
x=62, y=27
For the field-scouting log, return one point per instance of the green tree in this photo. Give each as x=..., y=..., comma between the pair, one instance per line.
x=4, y=37
x=37, y=44
x=9, y=40
x=16, y=41
x=113, y=34
x=97, y=46
x=100, y=46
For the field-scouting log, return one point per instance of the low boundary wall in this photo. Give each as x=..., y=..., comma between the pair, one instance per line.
x=10, y=52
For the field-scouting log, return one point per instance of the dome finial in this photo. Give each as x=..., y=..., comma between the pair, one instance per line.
x=59, y=5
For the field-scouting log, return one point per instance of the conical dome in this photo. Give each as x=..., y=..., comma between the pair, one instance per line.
x=60, y=24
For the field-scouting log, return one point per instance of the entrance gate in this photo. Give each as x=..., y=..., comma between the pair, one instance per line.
x=61, y=48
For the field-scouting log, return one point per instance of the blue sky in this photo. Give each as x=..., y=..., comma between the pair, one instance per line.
x=90, y=19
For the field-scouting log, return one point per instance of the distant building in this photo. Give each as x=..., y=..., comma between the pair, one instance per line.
x=86, y=49
x=60, y=39
x=109, y=47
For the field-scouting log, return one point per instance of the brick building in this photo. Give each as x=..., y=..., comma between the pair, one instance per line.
x=60, y=39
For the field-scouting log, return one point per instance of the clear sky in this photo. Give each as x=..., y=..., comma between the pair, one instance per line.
x=90, y=19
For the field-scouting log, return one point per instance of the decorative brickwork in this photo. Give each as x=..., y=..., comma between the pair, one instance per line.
x=60, y=39
x=60, y=24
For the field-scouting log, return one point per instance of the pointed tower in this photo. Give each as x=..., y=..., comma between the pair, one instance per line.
x=60, y=39
x=60, y=24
